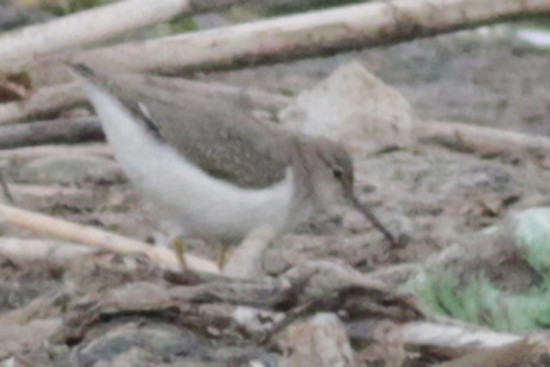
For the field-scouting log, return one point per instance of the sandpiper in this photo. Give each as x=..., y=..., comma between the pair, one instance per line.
x=219, y=179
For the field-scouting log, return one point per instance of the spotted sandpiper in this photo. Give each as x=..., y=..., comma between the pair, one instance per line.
x=219, y=179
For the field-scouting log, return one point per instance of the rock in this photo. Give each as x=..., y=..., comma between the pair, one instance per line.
x=153, y=342
x=69, y=170
x=356, y=108
x=162, y=341
x=384, y=346
x=321, y=341
x=15, y=338
x=134, y=357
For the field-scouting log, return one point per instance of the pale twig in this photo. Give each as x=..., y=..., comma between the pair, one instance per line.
x=454, y=335
x=481, y=139
x=97, y=238
x=60, y=131
x=26, y=153
x=19, y=190
x=43, y=101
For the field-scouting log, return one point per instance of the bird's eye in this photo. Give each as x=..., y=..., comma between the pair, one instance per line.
x=337, y=172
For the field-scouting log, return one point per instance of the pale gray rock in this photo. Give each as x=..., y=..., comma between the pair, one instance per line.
x=356, y=108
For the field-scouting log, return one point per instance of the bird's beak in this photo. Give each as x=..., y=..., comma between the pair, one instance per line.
x=363, y=209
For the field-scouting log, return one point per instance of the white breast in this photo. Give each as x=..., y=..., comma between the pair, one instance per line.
x=199, y=203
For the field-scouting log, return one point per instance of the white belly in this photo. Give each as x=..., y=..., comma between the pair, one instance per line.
x=199, y=203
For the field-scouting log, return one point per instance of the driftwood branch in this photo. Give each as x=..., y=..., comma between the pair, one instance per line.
x=454, y=335
x=48, y=191
x=311, y=34
x=481, y=139
x=25, y=153
x=61, y=131
x=97, y=238
x=43, y=102
x=93, y=25
x=50, y=100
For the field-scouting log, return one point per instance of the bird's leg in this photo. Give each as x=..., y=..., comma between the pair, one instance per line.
x=222, y=254
x=178, y=245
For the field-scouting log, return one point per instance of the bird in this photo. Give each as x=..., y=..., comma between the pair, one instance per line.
x=223, y=176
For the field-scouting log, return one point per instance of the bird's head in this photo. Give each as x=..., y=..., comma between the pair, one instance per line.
x=331, y=170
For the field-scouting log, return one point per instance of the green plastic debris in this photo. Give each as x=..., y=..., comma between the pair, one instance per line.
x=466, y=292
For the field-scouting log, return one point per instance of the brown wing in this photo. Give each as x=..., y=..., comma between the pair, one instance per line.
x=217, y=133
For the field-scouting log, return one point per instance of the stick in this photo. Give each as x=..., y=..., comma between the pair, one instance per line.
x=50, y=100
x=454, y=335
x=57, y=131
x=310, y=34
x=481, y=139
x=20, y=192
x=320, y=341
x=26, y=153
x=94, y=25
x=45, y=101
x=98, y=238
x=526, y=352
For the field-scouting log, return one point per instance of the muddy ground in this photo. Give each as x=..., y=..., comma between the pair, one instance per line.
x=431, y=195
